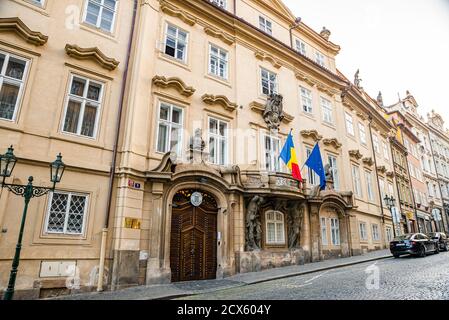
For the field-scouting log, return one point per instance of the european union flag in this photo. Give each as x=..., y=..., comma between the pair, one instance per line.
x=315, y=163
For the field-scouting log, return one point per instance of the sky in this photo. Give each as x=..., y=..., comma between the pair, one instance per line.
x=398, y=45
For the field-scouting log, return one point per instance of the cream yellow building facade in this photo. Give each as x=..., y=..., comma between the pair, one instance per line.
x=206, y=101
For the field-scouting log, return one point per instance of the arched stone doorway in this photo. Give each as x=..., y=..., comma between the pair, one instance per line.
x=193, y=236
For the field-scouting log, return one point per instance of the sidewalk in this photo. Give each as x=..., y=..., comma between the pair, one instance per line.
x=173, y=290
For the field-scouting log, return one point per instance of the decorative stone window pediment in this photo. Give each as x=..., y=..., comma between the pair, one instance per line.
x=332, y=142
x=94, y=54
x=221, y=100
x=355, y=154
x=304, y=77
x=16, y=25
x=381, y=169
x=225, y=37
x=368, y=161
x=174, y=82
x=390, y=174
x=173, y=11
x=313, y=134
x=264, y=56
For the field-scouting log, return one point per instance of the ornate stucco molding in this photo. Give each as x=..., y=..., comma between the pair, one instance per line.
x=390, y=174
x=171, y=10
x=326, y=89
x=313, y=134
x=18, y=26
x=306, y=78
x=368, y=161
x=174, y=82
x=259, y=107
x=91, y=54
x=382, y=169
x=332, y=142
x=221, y=100
x=225, y=37
x=265, y=56
x=355, y=154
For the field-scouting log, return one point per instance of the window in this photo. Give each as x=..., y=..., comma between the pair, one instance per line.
x=101, y=14
x=169, y=135
x=269, y=82
x=376, y=143
x=176, y=43
x=218, y=141
x=272, y=151
x=369, y=185
x=362, y=133
x=66, y=213
x=356, y=181
x=314, y=179
x=319, y=58
x=218, y=62
x=389, y=234
x=390, y=189
x=429, y=189
x=12, y=76
x=349, y=124
x=363, y=234
x=375, y=231
x=323, y=232
x=335, y=232
x=385, y=149
x=301, y=47
x=220, y=3
x=334, y=169
x=382, y=189
x=275, y=227
x=83, y=107
x=265, y=25
x=306, y=100
x=39, y=3
x=326, y=106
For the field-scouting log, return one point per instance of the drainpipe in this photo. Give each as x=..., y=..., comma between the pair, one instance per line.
x=413, y=196
x=370, y=118
x=397, y=185
x=114, y=154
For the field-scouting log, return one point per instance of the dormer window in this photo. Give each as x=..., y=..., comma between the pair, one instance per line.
x=301, y=47
x=265, y=25
x=319, y=58
x=219, y=3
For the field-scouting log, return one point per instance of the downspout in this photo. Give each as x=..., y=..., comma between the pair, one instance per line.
x=370, y=118
x=114, y=154
x=413, y=195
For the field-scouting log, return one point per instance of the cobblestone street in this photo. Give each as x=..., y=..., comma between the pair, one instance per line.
x=399, y=279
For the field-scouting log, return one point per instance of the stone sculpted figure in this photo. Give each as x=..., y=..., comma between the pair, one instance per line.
x=197, y=142
x=357, y=80
x=329, y=177
x=294, y=223
x=253, y=224
x=273, y=113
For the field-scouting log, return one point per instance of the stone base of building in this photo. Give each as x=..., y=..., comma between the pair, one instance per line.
x=125, y=269
x=253, y=261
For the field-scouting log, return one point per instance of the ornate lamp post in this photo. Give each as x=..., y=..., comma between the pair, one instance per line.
x=390, y=204
x=7, y=164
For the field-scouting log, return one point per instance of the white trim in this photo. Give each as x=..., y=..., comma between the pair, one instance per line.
x=100, y=13
x=279, y=224
x=218, y=138
x=169, y=125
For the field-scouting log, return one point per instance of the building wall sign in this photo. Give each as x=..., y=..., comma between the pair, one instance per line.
x=133, y=184
x=196, y=199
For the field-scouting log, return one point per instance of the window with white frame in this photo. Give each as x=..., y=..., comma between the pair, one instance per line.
x=12, y=76
x=39, y=3
x=314, y=179
x=332, y=160
x=301, y=47
x=375, y=231
x=385, y=149
x=218, y=141
x=83, y=105
x=369, y=185
x=220, y=3
x=349, y=124
x=306, y=100
x=362, y=133
x=363, y=233
x=269, y=82
x=169, y=134
x=176, y=41
x=335, y=232
x=218, y=62
x=66, y=213
x=272, y=151
x=326, y=107
x=376, y=143
x=101, y=14
x=323, y=231
x=319, y=58
x=389, y=234
x=382, y=189
x=356, y=181
x=274, y=221
x=265, y=25
x=390, y=189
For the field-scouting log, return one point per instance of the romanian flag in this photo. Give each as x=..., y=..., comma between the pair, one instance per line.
x=288, y=155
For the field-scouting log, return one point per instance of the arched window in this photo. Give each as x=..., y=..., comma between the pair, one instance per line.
x=274, y=223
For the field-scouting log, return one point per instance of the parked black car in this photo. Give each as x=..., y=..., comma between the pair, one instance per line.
x=441, y=238
x=417, y=244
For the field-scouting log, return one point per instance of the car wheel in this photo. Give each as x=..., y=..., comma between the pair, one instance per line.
x=396, y=255
x=446, y=247
x=421, y=252
x=437, y=249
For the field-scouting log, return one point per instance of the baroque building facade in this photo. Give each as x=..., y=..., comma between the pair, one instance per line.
x=170, y=116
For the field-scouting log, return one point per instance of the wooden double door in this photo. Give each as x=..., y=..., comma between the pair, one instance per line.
x=193, y=246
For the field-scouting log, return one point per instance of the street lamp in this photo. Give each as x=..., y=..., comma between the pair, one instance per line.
x=7, y=164
x=390, y=203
